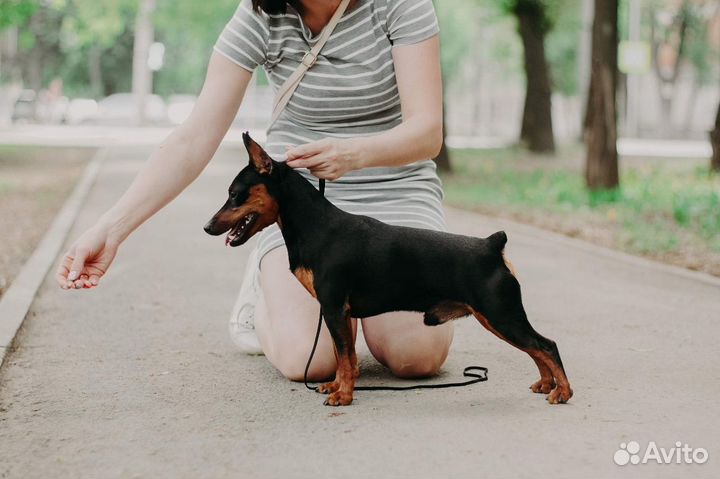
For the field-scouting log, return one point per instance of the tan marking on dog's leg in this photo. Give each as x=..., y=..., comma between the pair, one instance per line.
x=562, y=391
x=546, y=383
x=347, y=368
x=307, y=279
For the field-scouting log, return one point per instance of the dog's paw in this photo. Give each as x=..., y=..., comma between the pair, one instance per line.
x=542, y=386
x=328, y=388
x=560, y=395
x=339, y=398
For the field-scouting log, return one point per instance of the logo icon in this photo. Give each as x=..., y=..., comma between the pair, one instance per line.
x=628, y=453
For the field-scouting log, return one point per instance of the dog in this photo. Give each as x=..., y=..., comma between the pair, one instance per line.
x=357, y=266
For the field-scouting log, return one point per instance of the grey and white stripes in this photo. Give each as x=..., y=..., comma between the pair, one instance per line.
x=350, y=91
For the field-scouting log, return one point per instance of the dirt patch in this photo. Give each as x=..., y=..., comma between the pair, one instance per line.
x=34, y=183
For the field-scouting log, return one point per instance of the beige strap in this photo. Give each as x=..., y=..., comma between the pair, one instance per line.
x=288, y=88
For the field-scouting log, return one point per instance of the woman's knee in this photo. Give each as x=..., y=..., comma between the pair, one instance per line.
x=291, y=362
x=416, y=363
x=406, y=346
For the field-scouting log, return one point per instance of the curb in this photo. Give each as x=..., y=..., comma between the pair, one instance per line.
x=587, y=247
x=16, y=302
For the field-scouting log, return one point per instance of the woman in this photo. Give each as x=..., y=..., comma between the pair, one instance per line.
x=367, y=117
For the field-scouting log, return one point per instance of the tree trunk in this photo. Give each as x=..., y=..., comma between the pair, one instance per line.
x=537, y=129
x=715, y=142
x=601, y=165
x=142, y=75
x=95, y=71
x=443, y=158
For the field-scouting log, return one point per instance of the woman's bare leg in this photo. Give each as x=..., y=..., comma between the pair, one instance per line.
x=403, y=343
x=286, y=320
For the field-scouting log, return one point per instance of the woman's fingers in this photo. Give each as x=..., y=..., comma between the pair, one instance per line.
x=61, y=275
x=78, y=264
x=308, y=149
x=309, y=163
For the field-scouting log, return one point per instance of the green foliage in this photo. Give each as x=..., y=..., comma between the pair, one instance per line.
x=543, y=10
x=79, y=29
x=698, y=50
x=562, y=46
x=16, y=12
x=457, y=27
x=562, y=24
x=188, y=29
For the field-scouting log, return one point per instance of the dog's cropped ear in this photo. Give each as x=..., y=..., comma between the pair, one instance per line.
x=260, y=160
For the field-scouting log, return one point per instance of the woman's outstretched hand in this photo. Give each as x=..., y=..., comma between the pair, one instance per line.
x=87, y=260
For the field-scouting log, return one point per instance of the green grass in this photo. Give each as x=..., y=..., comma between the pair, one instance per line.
x=661, y=206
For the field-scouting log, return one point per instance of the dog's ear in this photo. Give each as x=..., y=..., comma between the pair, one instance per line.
x=260, y=160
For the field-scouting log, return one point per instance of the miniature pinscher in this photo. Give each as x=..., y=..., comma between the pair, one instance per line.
x=357, y=266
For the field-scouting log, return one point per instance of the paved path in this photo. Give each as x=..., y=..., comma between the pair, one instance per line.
x=139, y=378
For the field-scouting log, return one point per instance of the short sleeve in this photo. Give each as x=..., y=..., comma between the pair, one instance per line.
x=411, y=21
x=244, y=39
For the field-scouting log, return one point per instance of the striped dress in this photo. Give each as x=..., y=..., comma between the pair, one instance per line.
x=350, y=91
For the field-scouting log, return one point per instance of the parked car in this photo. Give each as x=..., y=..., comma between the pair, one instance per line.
x=122, y=108
x=180, y=107
x=24, y=109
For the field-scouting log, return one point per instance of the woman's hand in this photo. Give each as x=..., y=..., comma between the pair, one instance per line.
x=327, y=159
x=87, y=260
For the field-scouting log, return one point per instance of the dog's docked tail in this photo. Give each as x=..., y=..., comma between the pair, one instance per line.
x=497, y=241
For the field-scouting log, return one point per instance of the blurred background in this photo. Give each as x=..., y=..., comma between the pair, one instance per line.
x=599, y=119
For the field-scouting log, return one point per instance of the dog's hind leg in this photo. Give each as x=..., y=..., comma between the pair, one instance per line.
x=341, y=389
x=504, y=316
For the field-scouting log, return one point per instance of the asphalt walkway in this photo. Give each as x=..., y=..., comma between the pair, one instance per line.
x=139, y=378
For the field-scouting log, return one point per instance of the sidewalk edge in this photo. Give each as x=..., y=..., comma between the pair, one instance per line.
x=16, y=302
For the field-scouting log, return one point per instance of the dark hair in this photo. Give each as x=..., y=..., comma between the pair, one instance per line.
x=273, y=7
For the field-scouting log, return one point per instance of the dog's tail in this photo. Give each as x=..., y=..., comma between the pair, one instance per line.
x=497, y=241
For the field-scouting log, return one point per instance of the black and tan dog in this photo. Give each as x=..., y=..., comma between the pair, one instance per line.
x=356, y=266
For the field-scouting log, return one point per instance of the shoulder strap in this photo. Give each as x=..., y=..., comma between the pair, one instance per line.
x=288, y=88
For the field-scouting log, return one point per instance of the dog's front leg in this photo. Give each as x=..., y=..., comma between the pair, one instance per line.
x=341, y=390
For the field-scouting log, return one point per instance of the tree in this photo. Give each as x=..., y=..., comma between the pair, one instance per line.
x=91, y=37
x=16, y=12
x=533, y=25
x=455, y=40
x=141, y=74
x=601, y=165
x=715, y=142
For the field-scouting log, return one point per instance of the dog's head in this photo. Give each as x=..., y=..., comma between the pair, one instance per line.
x=251, y=206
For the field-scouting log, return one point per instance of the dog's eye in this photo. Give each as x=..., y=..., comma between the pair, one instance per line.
x=233, y=195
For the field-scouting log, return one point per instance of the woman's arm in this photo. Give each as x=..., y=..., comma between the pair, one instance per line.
x=185, y=153
x=419, y=79
x=168, y=171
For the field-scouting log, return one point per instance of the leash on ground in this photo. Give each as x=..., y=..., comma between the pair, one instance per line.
x=477, y=373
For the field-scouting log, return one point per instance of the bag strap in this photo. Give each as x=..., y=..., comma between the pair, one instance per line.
x=288, y=88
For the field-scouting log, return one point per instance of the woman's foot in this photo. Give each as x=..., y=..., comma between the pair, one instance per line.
x=242, y=319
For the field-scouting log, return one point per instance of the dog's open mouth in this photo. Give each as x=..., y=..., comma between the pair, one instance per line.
x=239, y=234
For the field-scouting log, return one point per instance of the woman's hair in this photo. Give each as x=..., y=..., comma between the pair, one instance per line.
x=273, y=7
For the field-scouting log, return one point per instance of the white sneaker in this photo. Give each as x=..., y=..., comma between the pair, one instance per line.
x=242, y=319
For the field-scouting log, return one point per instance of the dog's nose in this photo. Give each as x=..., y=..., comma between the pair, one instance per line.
x=208, y=227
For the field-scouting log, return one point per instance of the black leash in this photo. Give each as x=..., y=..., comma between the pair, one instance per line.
x=477, y=373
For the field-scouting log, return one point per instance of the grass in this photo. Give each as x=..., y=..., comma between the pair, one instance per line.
x=666, y=209
x=34, y=182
